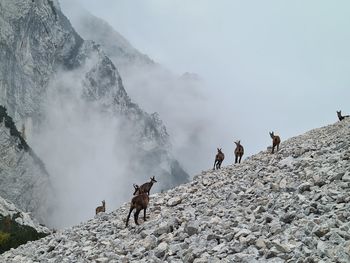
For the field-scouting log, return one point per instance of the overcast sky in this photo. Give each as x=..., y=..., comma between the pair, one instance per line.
x=268, y=65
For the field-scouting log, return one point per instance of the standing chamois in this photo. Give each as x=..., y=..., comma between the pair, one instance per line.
x=275, y=141
x=220, y=156
x=138, y=202
x=101, y=208
x=340, y=117
x=239, y=151
x=146, y=187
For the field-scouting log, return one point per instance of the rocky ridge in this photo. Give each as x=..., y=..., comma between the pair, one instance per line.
x=292, y=206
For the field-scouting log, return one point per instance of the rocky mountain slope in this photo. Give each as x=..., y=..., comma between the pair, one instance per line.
x=292, y=206
x=23, y=176
x=17, y=227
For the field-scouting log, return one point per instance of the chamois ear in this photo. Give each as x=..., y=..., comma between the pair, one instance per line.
x=153, y=179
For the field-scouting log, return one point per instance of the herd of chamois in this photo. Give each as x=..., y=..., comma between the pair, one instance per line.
x=141, y=194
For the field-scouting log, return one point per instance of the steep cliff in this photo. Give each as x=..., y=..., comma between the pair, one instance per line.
x=23, y=176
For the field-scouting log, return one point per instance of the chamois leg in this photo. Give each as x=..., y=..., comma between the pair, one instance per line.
x=136, y=216
x=236, y=159
x=219, y=165
x=273, y=148
x=127, y=219
x=240, y=158
x=214, y=165
x=144, y=214
x=278, y=146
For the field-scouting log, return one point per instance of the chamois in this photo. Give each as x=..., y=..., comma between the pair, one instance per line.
x=146, y=187
x=239, y=151
x=275, y=141
x=101, y=208
x=138, y=202
x=340, y=117
x=220, y=156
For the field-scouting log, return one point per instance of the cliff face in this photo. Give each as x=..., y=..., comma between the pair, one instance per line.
x=48, y=73
x=292, y=206
x=23, y=177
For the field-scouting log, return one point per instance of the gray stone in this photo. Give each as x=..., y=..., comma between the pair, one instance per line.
x=304, y=187
x=191, y=228
x=346, y=177
x=149, y=242
x=174, y=201
x=160, y=250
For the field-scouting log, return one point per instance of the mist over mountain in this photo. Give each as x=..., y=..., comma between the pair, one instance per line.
x=181, y=101
x=94, y=140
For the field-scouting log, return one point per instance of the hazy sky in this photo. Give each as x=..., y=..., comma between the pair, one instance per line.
x=269, y=65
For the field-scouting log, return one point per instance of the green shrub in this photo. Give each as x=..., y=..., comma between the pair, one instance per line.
x=14, y=234
x=4, y=237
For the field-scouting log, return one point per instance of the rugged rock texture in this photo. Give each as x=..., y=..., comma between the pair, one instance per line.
x=292, y=206
x=17, y=227
x=23, y=177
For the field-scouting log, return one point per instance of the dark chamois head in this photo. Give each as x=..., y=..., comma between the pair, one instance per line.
x=103, y=203
x=339, y=114
x=153, y=180
x=238, y=143
x=219, y=150
x=137, y=189
x=272, y=135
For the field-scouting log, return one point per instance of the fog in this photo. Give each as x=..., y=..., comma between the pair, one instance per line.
x=272, y=65
x=90, y=154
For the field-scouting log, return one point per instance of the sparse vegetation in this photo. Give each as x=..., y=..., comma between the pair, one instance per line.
x=13, y=234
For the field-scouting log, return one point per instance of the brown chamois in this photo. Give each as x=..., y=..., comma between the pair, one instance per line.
x=275, y=141
x=340, y=117
x=239, y=151
x=146, y=187
x=138, y=202
x=220, y=156
x=101, y=208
